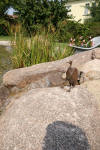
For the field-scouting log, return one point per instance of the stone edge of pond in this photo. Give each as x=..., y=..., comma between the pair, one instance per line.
x=4, y=91
x=5, y=43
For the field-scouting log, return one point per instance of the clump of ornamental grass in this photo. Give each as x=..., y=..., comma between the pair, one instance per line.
x=37, y=49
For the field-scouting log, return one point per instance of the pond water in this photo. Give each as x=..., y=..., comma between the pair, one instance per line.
x=5, y=61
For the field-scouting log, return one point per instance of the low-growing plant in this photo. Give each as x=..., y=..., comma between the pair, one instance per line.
x=72, y=29
x=37, y=49
x=80, y=41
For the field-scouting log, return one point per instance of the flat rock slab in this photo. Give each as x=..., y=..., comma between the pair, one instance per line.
x=25, y=123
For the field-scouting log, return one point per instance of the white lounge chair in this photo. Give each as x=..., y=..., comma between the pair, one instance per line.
x=95, y=41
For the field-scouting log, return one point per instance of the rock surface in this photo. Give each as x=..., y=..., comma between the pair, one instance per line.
x=23, y=125
x=93, y=65
x=91, y=70
x=94, y=88
x=96, y=53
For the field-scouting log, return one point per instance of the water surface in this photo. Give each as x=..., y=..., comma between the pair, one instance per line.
x=5, y=60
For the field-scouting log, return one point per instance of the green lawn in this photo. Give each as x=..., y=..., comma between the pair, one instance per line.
x=5, y=38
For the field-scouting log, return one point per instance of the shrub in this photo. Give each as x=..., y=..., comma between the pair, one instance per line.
x=3, y=30
x=68, y=29
x=95, y=28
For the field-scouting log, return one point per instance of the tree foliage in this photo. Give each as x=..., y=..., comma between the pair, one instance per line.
x=95, y=11
x=35, y=13
x=4, y=18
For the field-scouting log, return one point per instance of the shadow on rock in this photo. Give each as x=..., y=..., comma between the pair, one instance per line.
x=65, y=136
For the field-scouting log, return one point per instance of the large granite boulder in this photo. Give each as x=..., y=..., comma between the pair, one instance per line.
x=24, y=124
x=41, y=118
x=44, y=74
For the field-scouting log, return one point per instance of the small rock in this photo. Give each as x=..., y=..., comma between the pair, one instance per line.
x=67, y=88
x=63, y=75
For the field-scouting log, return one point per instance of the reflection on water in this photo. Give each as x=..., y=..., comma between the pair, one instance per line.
x=5, y=62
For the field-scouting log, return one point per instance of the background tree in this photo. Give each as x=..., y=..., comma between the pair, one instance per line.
x=5, y=19
x=94, y=21
x=4, y=23
x=95, y=10
x=36, y=13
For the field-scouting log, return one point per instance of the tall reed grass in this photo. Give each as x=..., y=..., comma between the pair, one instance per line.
x=37, y=49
